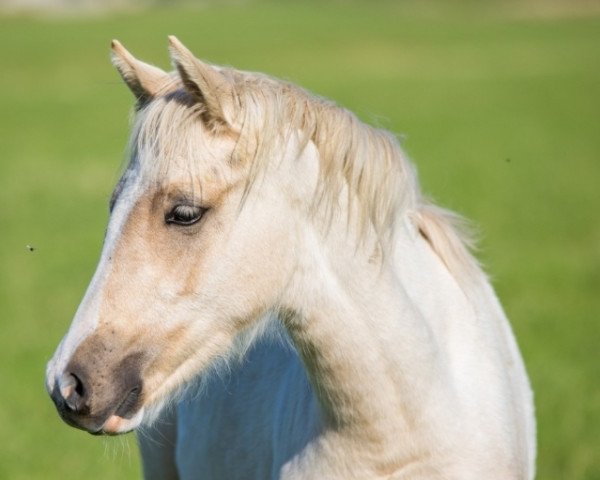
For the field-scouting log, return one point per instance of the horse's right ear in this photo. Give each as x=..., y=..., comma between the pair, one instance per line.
x=145, y=81
x=204, y=82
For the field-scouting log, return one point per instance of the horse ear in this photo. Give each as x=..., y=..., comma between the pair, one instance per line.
x=145, y=81
x=207, y=84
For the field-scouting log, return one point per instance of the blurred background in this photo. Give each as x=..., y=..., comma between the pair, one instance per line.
x=497, y=102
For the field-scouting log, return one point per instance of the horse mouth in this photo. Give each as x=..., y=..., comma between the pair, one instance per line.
x=129, y=405
x=126, y=417
x=117, y=425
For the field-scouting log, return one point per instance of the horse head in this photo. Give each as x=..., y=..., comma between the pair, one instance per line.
x=193, y=254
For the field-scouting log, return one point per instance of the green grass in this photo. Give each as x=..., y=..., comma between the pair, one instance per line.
x=500, y=108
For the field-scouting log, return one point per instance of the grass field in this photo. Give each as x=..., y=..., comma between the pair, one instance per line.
x=499, y=107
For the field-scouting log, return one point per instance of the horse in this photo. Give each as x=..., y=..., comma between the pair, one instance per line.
x=276, y=299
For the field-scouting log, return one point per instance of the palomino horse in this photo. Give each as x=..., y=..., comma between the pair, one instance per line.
x=267, y=245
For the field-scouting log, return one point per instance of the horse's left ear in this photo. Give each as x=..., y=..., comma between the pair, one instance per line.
x=207, y=84
x=144, y=80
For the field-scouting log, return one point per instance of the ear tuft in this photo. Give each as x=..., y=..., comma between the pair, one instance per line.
x=204, y=82
x=144, y=80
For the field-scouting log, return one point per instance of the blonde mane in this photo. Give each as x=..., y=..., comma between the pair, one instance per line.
x=365, y=163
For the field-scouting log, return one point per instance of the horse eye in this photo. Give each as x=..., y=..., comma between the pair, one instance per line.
x=185, y=214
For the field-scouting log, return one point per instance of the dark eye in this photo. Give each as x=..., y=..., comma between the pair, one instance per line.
x=185, y=214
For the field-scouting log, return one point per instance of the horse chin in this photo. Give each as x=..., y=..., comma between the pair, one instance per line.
x=117, y=425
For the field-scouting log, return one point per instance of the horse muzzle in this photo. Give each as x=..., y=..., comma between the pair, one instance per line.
x=100, y=400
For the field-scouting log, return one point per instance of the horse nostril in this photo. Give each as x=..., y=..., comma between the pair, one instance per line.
x=73, y=391
x=79, y=390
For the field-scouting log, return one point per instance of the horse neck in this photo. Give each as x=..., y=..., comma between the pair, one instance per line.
x=369, y=339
